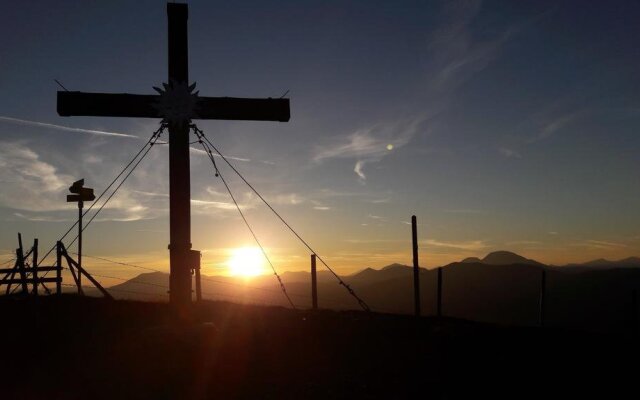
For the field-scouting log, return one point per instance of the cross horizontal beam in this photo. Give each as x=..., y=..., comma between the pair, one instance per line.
x=144, y=106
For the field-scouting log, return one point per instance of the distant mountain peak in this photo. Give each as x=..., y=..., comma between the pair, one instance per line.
x=503, y=257
x=394, y=266
x=471, y=260
x=603, y=263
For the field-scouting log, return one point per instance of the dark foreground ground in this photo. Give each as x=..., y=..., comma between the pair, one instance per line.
x=84, y=348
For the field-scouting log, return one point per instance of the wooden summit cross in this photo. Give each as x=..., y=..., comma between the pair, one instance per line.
x=176, y=105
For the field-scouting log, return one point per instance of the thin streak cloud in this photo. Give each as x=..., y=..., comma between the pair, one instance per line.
x=63, y=128
x=198, y=151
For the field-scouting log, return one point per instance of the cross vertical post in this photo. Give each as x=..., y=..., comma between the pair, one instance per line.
x=177, y=106
x=416, y=266
x=179, y=169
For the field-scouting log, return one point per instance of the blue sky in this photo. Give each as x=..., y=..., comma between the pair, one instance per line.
x=512, y=125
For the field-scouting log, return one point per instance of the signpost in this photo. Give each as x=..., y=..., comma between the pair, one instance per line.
x=80, y=195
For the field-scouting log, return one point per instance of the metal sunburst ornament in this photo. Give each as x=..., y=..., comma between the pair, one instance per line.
x=177, y=103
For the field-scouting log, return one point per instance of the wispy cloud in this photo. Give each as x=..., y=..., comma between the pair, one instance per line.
x=379, y=201
x=509, y=153
x=40, y=218
x=201, y=152
x=454, y=49
x=544, y=125
x=553, y=126
x=207, y=204
x=372, y=142
x=221, y=201
x=29, y=182
x=524, y=243
x=599, y=244
x=373, y=241
x=64, y=128
x=473, y=245
x=453, y=55
x=358, y=170
x=37, y=189
x=603, y=244
x=465, y=211
x=369, y=145
x=151, y=194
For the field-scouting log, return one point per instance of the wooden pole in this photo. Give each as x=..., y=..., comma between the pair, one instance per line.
x=59, y=268
x=13, y=275
x=20, y=257
x=439, y=292
x=543, y=290
x=75, y=274
x=314, y=283
x=82, y=271
x=416, y=266
x=34, y=266
x=179, y=178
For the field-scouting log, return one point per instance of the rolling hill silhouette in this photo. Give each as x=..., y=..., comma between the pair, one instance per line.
x=503, y=287
x=629, y=262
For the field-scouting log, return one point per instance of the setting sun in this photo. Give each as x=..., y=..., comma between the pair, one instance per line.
x=246, y=261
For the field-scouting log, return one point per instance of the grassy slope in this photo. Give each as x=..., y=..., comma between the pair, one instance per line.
x=90, y=348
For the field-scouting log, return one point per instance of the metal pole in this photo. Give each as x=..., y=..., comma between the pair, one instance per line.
x=416, y=266
x=80, y=205
x=314, y=283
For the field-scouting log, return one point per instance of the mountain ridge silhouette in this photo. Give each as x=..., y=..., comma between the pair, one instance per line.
x=578, y=296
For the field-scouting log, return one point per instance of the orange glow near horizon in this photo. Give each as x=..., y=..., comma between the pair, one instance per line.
x=246, y=262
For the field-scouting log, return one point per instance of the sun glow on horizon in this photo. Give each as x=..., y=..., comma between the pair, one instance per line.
x=246, y=261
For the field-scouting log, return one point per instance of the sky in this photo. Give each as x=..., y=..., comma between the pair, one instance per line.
x=502, y=125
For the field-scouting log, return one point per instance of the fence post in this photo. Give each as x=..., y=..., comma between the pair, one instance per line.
x=21, y=266
x=34, y=267
x=59, y=267
x=314, y=283
x=416, y=266
x=634, y=311
x=543, y=290
x=195, y=258
x=439, y=292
